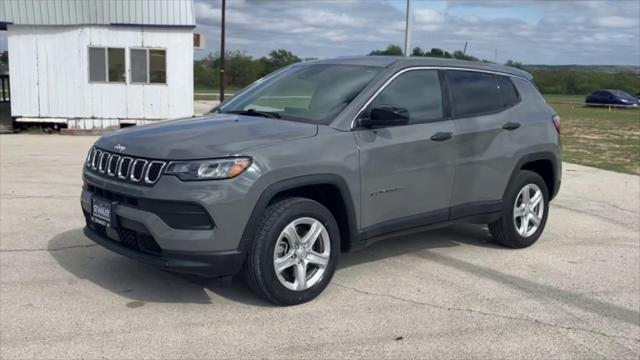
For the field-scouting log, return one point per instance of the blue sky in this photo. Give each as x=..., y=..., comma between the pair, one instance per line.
x=529, y=31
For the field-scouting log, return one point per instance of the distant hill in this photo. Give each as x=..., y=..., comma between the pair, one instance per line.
x=596, y=68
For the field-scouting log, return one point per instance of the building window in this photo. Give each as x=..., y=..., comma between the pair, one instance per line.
x=106, y=65
x=148, y=66
x=138, y=60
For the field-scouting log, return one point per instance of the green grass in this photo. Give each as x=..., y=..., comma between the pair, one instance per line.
x=227, y=91
x=600, y=138
x=565, y=98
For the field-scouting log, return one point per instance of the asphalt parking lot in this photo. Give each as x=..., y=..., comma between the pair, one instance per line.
x=449, y=293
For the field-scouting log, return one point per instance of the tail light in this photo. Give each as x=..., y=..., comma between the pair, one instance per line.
x=556, y=122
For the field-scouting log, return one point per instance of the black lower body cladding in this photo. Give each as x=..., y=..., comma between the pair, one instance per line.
x=210, y=264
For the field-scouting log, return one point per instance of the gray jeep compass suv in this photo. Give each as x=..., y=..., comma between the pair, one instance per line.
x=323, y=157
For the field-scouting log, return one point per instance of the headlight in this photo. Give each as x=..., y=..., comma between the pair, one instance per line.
x=624, y=100
x=214, y=169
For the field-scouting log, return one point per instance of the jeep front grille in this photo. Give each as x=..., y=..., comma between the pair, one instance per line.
x=124, y=168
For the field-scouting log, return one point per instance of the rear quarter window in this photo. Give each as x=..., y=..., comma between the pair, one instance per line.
x=528, y=92
x=473, y=93
x=508, y=91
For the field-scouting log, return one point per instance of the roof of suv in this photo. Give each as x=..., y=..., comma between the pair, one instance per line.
x=402, y=61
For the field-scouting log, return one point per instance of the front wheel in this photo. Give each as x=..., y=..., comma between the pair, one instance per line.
x=294, y=254
x=525, y=211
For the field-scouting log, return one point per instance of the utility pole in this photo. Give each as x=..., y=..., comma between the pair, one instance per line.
x=407, y=30
x=222, y=21
x=465, y=48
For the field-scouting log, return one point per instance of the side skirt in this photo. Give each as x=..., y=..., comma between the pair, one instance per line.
x=473, y=213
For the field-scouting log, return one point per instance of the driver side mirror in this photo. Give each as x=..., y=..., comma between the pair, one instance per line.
x=383, y=116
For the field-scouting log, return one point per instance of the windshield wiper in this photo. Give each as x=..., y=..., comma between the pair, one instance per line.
x=254, y=112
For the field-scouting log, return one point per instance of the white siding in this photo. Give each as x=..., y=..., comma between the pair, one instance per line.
x=50, y=77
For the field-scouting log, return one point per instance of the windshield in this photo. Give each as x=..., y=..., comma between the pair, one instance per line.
x=310, y=93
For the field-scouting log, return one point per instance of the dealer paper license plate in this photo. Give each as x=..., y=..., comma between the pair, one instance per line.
x=101, y=211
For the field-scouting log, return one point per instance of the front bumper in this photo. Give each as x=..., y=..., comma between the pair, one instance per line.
x=202, y=264
x=148, y=226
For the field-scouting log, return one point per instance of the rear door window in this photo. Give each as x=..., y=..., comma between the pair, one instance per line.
x=473, y=93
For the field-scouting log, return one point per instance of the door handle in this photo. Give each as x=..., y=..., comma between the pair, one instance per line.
x=511, y=125
x=442, y=136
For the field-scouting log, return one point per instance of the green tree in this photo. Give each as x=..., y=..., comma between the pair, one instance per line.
x=462, y=56
x=277, y=59
x=241, y=70
x=514, y=64
x=435, y=52
x=417, y=51
x=390, y=50
x=206, y=72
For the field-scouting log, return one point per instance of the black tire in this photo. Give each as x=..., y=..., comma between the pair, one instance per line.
x=504, y=229
x=259, y=272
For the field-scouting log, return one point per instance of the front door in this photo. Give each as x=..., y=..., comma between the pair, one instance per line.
x=407, y=171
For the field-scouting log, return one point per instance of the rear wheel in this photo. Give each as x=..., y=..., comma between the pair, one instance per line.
x=524, y=213
x=294, y=254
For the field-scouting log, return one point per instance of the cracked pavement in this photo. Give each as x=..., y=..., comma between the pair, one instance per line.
x=447, y=293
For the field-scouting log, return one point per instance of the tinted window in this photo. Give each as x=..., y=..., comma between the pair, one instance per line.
x=157, y=66
x=507, y=91
x=621, y=94
x=528, y=91
x=97, y=64
x=116, y=65
x=138, y=61
x=416, y=91
x=473, y=93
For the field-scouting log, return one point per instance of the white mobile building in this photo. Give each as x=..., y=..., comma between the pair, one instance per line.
x=99, y=63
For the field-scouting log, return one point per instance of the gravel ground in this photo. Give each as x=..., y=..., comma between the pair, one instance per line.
x=449, y=293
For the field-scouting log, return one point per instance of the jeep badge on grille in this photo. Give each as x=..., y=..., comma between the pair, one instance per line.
x=120, y=148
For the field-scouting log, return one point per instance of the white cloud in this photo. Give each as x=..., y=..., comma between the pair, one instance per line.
x=325, y=28
x=618, y=22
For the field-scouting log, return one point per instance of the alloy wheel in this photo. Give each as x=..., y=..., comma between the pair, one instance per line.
x=528, y=210
x=301, y=254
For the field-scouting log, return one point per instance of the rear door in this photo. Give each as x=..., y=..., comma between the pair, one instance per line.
x=489, y=136
x=406, y=177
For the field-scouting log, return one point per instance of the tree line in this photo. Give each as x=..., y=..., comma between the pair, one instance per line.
x=242, y=69
x=395, y=50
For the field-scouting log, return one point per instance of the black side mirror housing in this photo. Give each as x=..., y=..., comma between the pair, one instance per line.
x=384, y=116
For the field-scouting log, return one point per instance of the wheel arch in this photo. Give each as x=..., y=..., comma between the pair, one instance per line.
x=328, y=189
x=545, y=164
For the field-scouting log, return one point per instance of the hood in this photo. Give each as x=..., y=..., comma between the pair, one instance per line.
x=210, y=136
